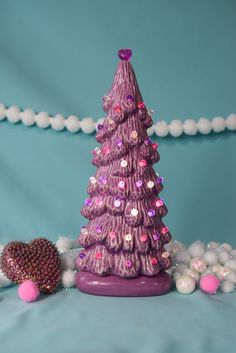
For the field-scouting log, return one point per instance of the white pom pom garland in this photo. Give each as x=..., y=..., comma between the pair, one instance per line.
x=68, y=278
x=175, y=128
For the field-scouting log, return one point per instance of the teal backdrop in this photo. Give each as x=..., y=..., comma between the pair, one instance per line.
x=60, y=57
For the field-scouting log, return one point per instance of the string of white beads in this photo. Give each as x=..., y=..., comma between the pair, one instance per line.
x=175, y=128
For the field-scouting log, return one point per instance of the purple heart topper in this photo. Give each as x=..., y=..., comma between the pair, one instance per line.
x=125, y=54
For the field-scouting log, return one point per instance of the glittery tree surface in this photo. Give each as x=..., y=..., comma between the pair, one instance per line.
x=125, y=235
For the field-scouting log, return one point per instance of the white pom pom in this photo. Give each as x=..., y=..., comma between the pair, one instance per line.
x=28, y=117
x=231, y=263
x=4, y=281
x=230, y=122
x=68, y=279
x=2, y=111
x=210, y=257
x=72, y=124
x=87, y=125
x=42, y=120
x=196, y=249
x=182, y=256
x=218, y=124
x=223, y=256
x=100, y=121
x=64, y=244
x=1, y=249
x=232, y=277
x=150, y=130
x=226, y=247
x=190, y=127
x=233, y=252
x=204, y=126
x=13, y=114
x=176, y=128
x=227, y=287
x=161, y=128
x=58, y=122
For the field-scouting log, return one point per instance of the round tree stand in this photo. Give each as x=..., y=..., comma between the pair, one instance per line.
x=141, y=286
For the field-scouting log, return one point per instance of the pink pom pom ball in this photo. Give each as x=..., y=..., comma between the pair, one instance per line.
x=209, y=283
x=28, y=291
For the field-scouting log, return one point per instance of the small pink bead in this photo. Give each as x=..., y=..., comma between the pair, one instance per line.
x=209, y=283
x=28, y=291
x=143, y=163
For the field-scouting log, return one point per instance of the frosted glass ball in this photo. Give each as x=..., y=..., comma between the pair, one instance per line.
x=176, y=128
x=42, y=120
x=87, y=125
x=212, y=245
x=231, y=263
x=218, y=124
x=58, y=122
x=204, y=126
x=223, y=256
x=2, y=111
x=72, y=124
x=13, y=114
x=190, y=127
x=226, y=247
x=182, y=256
x=185, y=284
x=28, y=117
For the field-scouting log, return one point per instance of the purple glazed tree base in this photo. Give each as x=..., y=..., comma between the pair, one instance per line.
x=141, y=286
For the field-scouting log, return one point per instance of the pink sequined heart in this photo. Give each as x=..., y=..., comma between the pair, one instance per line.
x=125, y=54
x=38, y=261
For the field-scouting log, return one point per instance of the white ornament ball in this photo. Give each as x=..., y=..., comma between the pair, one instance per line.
x=58, y=122
x=4, y=281
x=174, y=246
x=190, y=127
x=231, y=263
x=196, y=249
x=198, y=264
x=28, y=117
x=176, y=275
x=212, y=245
x=210, y=257
x=64, y=244
x=223, y=256
x=176, y=128
x=232, y=277
x=42, y=120
x=161, y=128
x=182, y=256
x=227, y=287
x=226, y=247
x=204, y=126
x=218, y=124
x=87, y=125
x=192, y=273
x=72, y=124
x=2, y=111
x=185, y=284
x=13, y=114
x=68, y=279
x=231, y=122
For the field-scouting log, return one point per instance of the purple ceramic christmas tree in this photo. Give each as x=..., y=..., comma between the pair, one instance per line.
x=124, y=240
